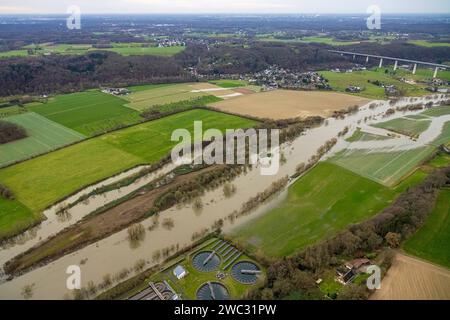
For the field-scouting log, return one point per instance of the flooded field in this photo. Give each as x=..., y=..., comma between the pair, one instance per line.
x=115, y=253
x=56, y=223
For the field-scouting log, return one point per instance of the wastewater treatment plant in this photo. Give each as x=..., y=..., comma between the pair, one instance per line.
x=214, y=270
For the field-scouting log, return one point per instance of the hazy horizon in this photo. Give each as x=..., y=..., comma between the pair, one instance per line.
x=225, y=7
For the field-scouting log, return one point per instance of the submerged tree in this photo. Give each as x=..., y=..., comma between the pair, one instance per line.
x=28, y=291
x=229, y=190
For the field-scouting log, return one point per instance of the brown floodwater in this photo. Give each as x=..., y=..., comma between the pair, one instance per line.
x=114, y=253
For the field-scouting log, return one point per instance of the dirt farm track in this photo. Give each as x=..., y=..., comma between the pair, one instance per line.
x=413, y=279
x=285, y=104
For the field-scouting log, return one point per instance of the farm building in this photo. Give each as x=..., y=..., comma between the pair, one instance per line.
x=347, y=272
x=116, y=91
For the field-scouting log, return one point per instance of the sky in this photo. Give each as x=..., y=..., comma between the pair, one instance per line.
x=224, y=6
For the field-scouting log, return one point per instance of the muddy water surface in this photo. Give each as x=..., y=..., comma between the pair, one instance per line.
x=114, y=253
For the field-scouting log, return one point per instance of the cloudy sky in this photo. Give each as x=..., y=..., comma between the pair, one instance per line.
x=224, y=6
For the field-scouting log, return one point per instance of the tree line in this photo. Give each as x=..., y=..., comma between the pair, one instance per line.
x=65, y=73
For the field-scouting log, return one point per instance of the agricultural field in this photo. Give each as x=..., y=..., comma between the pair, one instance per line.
x=417, y=117
x=444, y=137
x=88, y=112
x=229, y=83
x=184, y=105
x=360, y=135
x=322, y=202
x=440, y=161
x=437, y=111
x=42, y=181
x=313, y=39
x=125, y=49
x=432, y=240
x=409, y=127
x=144, y=87
x=429, y=44
x=14, y=217
x=156, y=95
x=284, y=104
x=412, y=279
x=422, y=74
x=145, y=97
x=44, y=135
x=11, y=111
x=324, y=39
x=13, y=53
x=341, y=81
x=49, y=48
x=386, y=168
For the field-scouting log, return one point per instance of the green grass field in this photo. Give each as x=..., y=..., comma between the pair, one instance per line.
x=432, y=241
x=428, y=44
x=40, y=182
x=47, y=48
x=185, y=105
x=43, y=136
x=144, y=87
x=408, y=127
x=417, y=117
x=229, y=83
x=313, y=39
x=87, y=112
x=327, y=40
x=139, y=50
x=15, y=217
x=386, y=168
x=327, y=199
x=441, y=161
x=11, y=111
x=122, y=48
x=13, y=53
x=437, y=111
x=340, y=81
x=444, y=137
x=422, y=74
x=149, y=96
x=365, y=136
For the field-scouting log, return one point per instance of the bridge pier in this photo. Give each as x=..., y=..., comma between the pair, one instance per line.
x=435, y=72
x=396, y=60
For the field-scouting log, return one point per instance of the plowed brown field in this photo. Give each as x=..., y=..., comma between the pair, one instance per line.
x=285, y=104
x=413, y=279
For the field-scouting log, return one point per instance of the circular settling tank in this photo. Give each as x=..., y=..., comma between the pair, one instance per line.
x=206, y=261
x=212, y=291
x=245, y=272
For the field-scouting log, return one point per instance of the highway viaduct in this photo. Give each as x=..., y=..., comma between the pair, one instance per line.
x=436, y=66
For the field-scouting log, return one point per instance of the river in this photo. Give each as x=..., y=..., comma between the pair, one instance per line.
x=114, y=253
